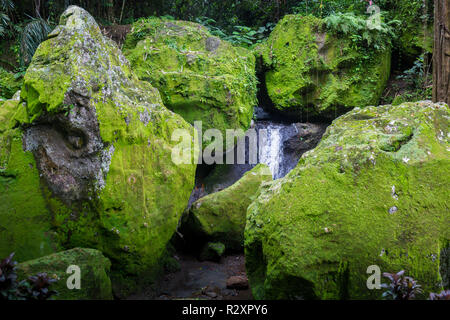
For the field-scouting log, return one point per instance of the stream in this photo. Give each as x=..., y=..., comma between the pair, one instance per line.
x=280, y=148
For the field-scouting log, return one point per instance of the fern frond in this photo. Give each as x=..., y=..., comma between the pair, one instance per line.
x=349, y=24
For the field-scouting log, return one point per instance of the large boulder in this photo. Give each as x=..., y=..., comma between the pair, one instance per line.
x=97, y=143
x=314, y=73
x=373, y=192
x=94, y=273
x=200, y=76
x=221, y=216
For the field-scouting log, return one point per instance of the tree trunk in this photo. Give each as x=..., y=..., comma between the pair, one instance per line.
x=37, y=8
x=441, y=51
x=111, y=11
x=121, y=11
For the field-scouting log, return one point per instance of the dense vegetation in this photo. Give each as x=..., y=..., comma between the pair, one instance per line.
x=24, y=24
x=94, y=93
x=229, y=15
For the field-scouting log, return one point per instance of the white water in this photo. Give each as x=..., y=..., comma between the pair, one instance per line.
x=271, y=148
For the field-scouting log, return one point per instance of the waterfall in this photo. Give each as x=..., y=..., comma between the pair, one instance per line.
x=280, y=145
x=270, y=150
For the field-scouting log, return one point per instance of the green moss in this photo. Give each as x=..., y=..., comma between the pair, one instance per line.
x=221, y=216
x=9, y=84
x=199, y=76
x=133, y=213
x=398, y=100
x=416, y=40
x=212, y=251
x=313, y=73
x=374, y=192
x=25, y=223
x=94, y=277
x=414, y=37
x=171, y=265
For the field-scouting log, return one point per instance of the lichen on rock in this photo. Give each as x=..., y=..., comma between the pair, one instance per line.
x=102, y=143
x=311, y=72
x=373, y=192
x=200, y=76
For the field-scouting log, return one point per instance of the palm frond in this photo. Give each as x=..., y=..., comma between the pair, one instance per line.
x=32, y=35
x=6, y=5
x=4, y=21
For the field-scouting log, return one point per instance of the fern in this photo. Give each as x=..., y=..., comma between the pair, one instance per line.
x=349, y=24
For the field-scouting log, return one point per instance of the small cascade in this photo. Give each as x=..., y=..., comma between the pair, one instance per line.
x=270, y=151
x=280, y=144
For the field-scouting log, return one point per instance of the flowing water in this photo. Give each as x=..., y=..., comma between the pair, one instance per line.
x=279, y=146
x=271, y=150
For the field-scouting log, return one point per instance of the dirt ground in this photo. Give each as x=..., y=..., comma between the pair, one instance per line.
x=200, y=280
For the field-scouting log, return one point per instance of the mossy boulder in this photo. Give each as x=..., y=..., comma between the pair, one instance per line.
x=94, y=273
x=373, y=192
x=101, y=141
x=212, y=251
x=314, y=73
x=200, y=76
x=221, y=216
x=10, y=83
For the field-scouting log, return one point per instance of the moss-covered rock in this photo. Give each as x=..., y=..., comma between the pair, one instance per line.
x=373, y=192
x=199, y=76
x=101, y=141
x=9, y=84
x=25, y=223
x=212, y=251
x=311, y=72
x=221, y=216
x=94, y=273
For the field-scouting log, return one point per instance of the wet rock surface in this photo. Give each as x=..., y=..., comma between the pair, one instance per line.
x=300, y=138
x=237, y=282
x=281, y=150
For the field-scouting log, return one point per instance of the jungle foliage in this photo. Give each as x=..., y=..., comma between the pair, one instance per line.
x=25, y=24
